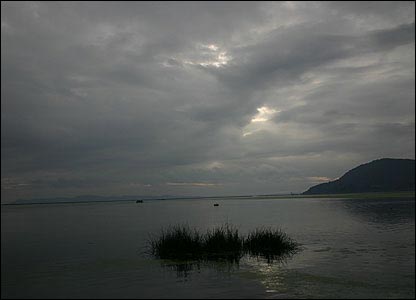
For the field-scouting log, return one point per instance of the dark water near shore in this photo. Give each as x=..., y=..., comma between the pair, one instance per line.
x=352, y=248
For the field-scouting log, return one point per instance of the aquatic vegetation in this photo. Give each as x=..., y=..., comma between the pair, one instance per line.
x=272, y=244
x=178, y=242
x=221, y=243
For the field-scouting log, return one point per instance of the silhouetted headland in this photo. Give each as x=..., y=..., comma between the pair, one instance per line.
x=382, y=175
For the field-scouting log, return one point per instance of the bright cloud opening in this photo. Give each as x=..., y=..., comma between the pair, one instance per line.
x=192, y=184
x=264, y=114
x=212, y=47
x=259, y=121
x=208, y=56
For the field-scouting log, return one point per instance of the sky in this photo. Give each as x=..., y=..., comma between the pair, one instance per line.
x=201, y=98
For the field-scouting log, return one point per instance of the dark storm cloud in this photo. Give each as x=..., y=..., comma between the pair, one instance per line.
x=160, y=97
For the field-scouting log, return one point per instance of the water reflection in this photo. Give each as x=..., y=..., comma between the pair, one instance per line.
x=182, y=269
x=271, y=275
x=272, y=257
x=185, y=268
x=383, y=211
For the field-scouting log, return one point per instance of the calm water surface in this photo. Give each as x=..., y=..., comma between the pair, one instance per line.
x=352, y=248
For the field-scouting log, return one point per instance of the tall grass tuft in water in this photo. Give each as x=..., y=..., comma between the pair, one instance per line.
x=177, y=242
x=269, y=243
x=221, y=243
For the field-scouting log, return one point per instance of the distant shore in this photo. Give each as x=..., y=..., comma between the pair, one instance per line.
x=278, y=196
x=353, y=195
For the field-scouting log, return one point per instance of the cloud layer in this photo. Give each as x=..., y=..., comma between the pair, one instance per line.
x=201, y=98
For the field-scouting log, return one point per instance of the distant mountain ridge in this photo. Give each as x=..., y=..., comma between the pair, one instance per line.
x=381, y=175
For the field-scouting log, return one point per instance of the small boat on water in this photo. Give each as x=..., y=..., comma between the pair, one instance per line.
x=216, y=204
x=139, y=201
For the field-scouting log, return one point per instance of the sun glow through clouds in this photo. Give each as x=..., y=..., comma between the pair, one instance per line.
x=264, y=114
x=220, y=57
x=260, y=120
x=212, y=47
x=210, y=55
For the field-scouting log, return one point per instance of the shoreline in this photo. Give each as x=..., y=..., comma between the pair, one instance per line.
x=259, y=197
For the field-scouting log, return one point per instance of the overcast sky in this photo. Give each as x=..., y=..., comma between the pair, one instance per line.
x=210, y=98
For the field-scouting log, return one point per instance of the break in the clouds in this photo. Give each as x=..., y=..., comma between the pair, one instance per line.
x=201, y=98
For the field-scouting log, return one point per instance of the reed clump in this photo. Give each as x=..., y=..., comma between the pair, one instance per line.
x=177, y=242
x=272, y=244
x=221, y=243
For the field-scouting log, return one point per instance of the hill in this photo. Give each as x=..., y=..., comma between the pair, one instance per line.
x=382, y=175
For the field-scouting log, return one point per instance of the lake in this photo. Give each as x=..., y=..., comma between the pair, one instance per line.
x=351, y=248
